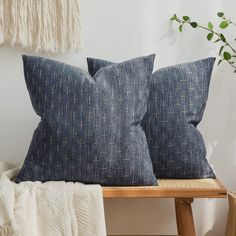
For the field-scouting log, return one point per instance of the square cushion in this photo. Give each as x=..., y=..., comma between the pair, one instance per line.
x=177, y=99
x=90, y=127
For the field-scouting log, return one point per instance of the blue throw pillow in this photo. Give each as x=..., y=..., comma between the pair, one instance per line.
x=177, y=99
x=90, y=127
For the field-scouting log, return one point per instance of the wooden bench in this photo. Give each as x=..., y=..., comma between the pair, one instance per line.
x=183, y=191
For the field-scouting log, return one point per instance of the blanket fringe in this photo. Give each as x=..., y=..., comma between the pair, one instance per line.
x=42, y=25
x=6, y=230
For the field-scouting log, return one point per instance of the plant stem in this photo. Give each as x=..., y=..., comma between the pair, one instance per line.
x=231, y=22
x=212, y=31
x=232, y=65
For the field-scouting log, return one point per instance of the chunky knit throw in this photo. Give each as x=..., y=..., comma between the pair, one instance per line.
x=52, y=208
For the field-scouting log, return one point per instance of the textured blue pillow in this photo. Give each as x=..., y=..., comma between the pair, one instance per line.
x=177, y=99
x=90, y=127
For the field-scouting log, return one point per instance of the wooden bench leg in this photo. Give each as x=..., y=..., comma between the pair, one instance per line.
x=184, y=217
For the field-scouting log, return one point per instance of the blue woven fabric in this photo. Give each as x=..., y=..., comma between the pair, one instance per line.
x=90, y=127
x=177, y=99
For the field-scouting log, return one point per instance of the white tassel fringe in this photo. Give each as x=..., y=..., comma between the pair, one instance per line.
x=41, y=25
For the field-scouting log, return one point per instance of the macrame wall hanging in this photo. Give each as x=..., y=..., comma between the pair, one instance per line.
x=40, y=25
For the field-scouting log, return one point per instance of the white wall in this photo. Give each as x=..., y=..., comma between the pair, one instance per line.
x=119, y=30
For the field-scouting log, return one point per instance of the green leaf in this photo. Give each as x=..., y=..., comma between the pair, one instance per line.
x=181, y=28
x=210, y=36
x=174, y=17
x=227, y=55
x=222, y=38
x=210, y=25
x=219, y=62
x=185, y=18
x=194, y=24
x=220, y=14
x=218, y=40
x=224, y=24
x=221, y=49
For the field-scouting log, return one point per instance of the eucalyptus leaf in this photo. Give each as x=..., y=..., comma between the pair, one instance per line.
x=194, y=24
x=174, y=17
x=220, y=14
x=210, y=36
x=181, y=28
x=216, y=41
x=222, y=38
x=227, y=56
x=224, y=24
x=221, y=49
x=186, y=18
x=210, y=25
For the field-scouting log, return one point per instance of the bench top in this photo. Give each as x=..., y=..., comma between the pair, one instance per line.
x=169, y=188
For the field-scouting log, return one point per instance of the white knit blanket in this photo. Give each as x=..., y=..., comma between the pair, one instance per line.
x=46, y=209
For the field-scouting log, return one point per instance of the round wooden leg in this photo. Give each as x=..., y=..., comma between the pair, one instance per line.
x=184, y=217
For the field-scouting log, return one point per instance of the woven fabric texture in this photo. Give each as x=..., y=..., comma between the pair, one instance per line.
x=189, y=183
x=177, y=99
x=90, y=127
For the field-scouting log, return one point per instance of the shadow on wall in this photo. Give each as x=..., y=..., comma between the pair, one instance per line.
x=219, y=219
x=219, y=122
x=140, y=216
x=219, y=130
x=218, y=126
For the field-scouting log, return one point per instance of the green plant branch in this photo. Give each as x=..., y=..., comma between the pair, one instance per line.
x=231, y=22
x=220, y=37
x=209, y=30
